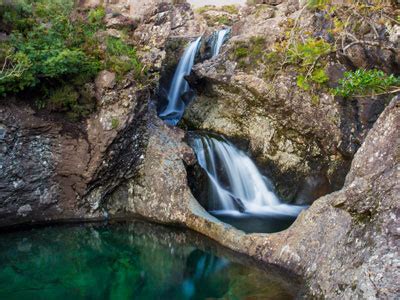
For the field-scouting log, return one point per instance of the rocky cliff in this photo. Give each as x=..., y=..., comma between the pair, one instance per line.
x=53, y=169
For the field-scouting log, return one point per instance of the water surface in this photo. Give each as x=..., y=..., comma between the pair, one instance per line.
x=128, y=261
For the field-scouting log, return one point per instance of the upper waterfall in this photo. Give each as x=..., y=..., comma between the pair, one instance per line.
x=235, y=182
x=175, y=108
x=220, y=38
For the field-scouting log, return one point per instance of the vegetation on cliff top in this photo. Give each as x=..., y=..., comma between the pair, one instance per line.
x=53, y=51
x=308, y=51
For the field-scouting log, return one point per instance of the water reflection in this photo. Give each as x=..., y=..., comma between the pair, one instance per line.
x=126, y=261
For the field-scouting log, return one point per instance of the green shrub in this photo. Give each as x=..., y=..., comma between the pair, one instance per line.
x=48, y=52
x=121, y=57
x=366, y=82
x=63, y=98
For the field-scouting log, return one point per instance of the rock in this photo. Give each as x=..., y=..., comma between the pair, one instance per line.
x=345, y=245
x=118, y=21
x=24, y=210
x=105, y=80
x=3, y=37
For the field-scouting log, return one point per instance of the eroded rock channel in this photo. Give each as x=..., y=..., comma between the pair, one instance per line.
x=225, y=139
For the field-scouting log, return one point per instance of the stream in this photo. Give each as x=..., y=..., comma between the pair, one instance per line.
x=238, y=193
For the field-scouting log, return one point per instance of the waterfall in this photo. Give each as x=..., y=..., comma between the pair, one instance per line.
x=220, y=38
x=175, y=108
x=236, y=185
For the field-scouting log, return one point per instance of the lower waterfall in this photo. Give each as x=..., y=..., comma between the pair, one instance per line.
x=236, y=186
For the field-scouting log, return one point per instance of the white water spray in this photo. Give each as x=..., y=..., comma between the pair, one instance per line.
x=235, y=182
x=219, y=41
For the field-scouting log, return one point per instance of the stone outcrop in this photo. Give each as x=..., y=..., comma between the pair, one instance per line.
x=53, y=169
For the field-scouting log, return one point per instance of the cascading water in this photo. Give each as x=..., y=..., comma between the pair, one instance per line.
x=236, y=185
x=220, y=38
x=175, y=108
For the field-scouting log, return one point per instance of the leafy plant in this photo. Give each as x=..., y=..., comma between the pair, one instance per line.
x=307, y=53
x=366, y=82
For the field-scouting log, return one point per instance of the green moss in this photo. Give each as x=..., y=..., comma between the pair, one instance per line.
x=317, y=4
x=303, y=83
x=205, y=8
x=319, y=76
x=315, y=100
x=231, y=9
x=249, y=53
x=241, y=52
x=114, y=123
